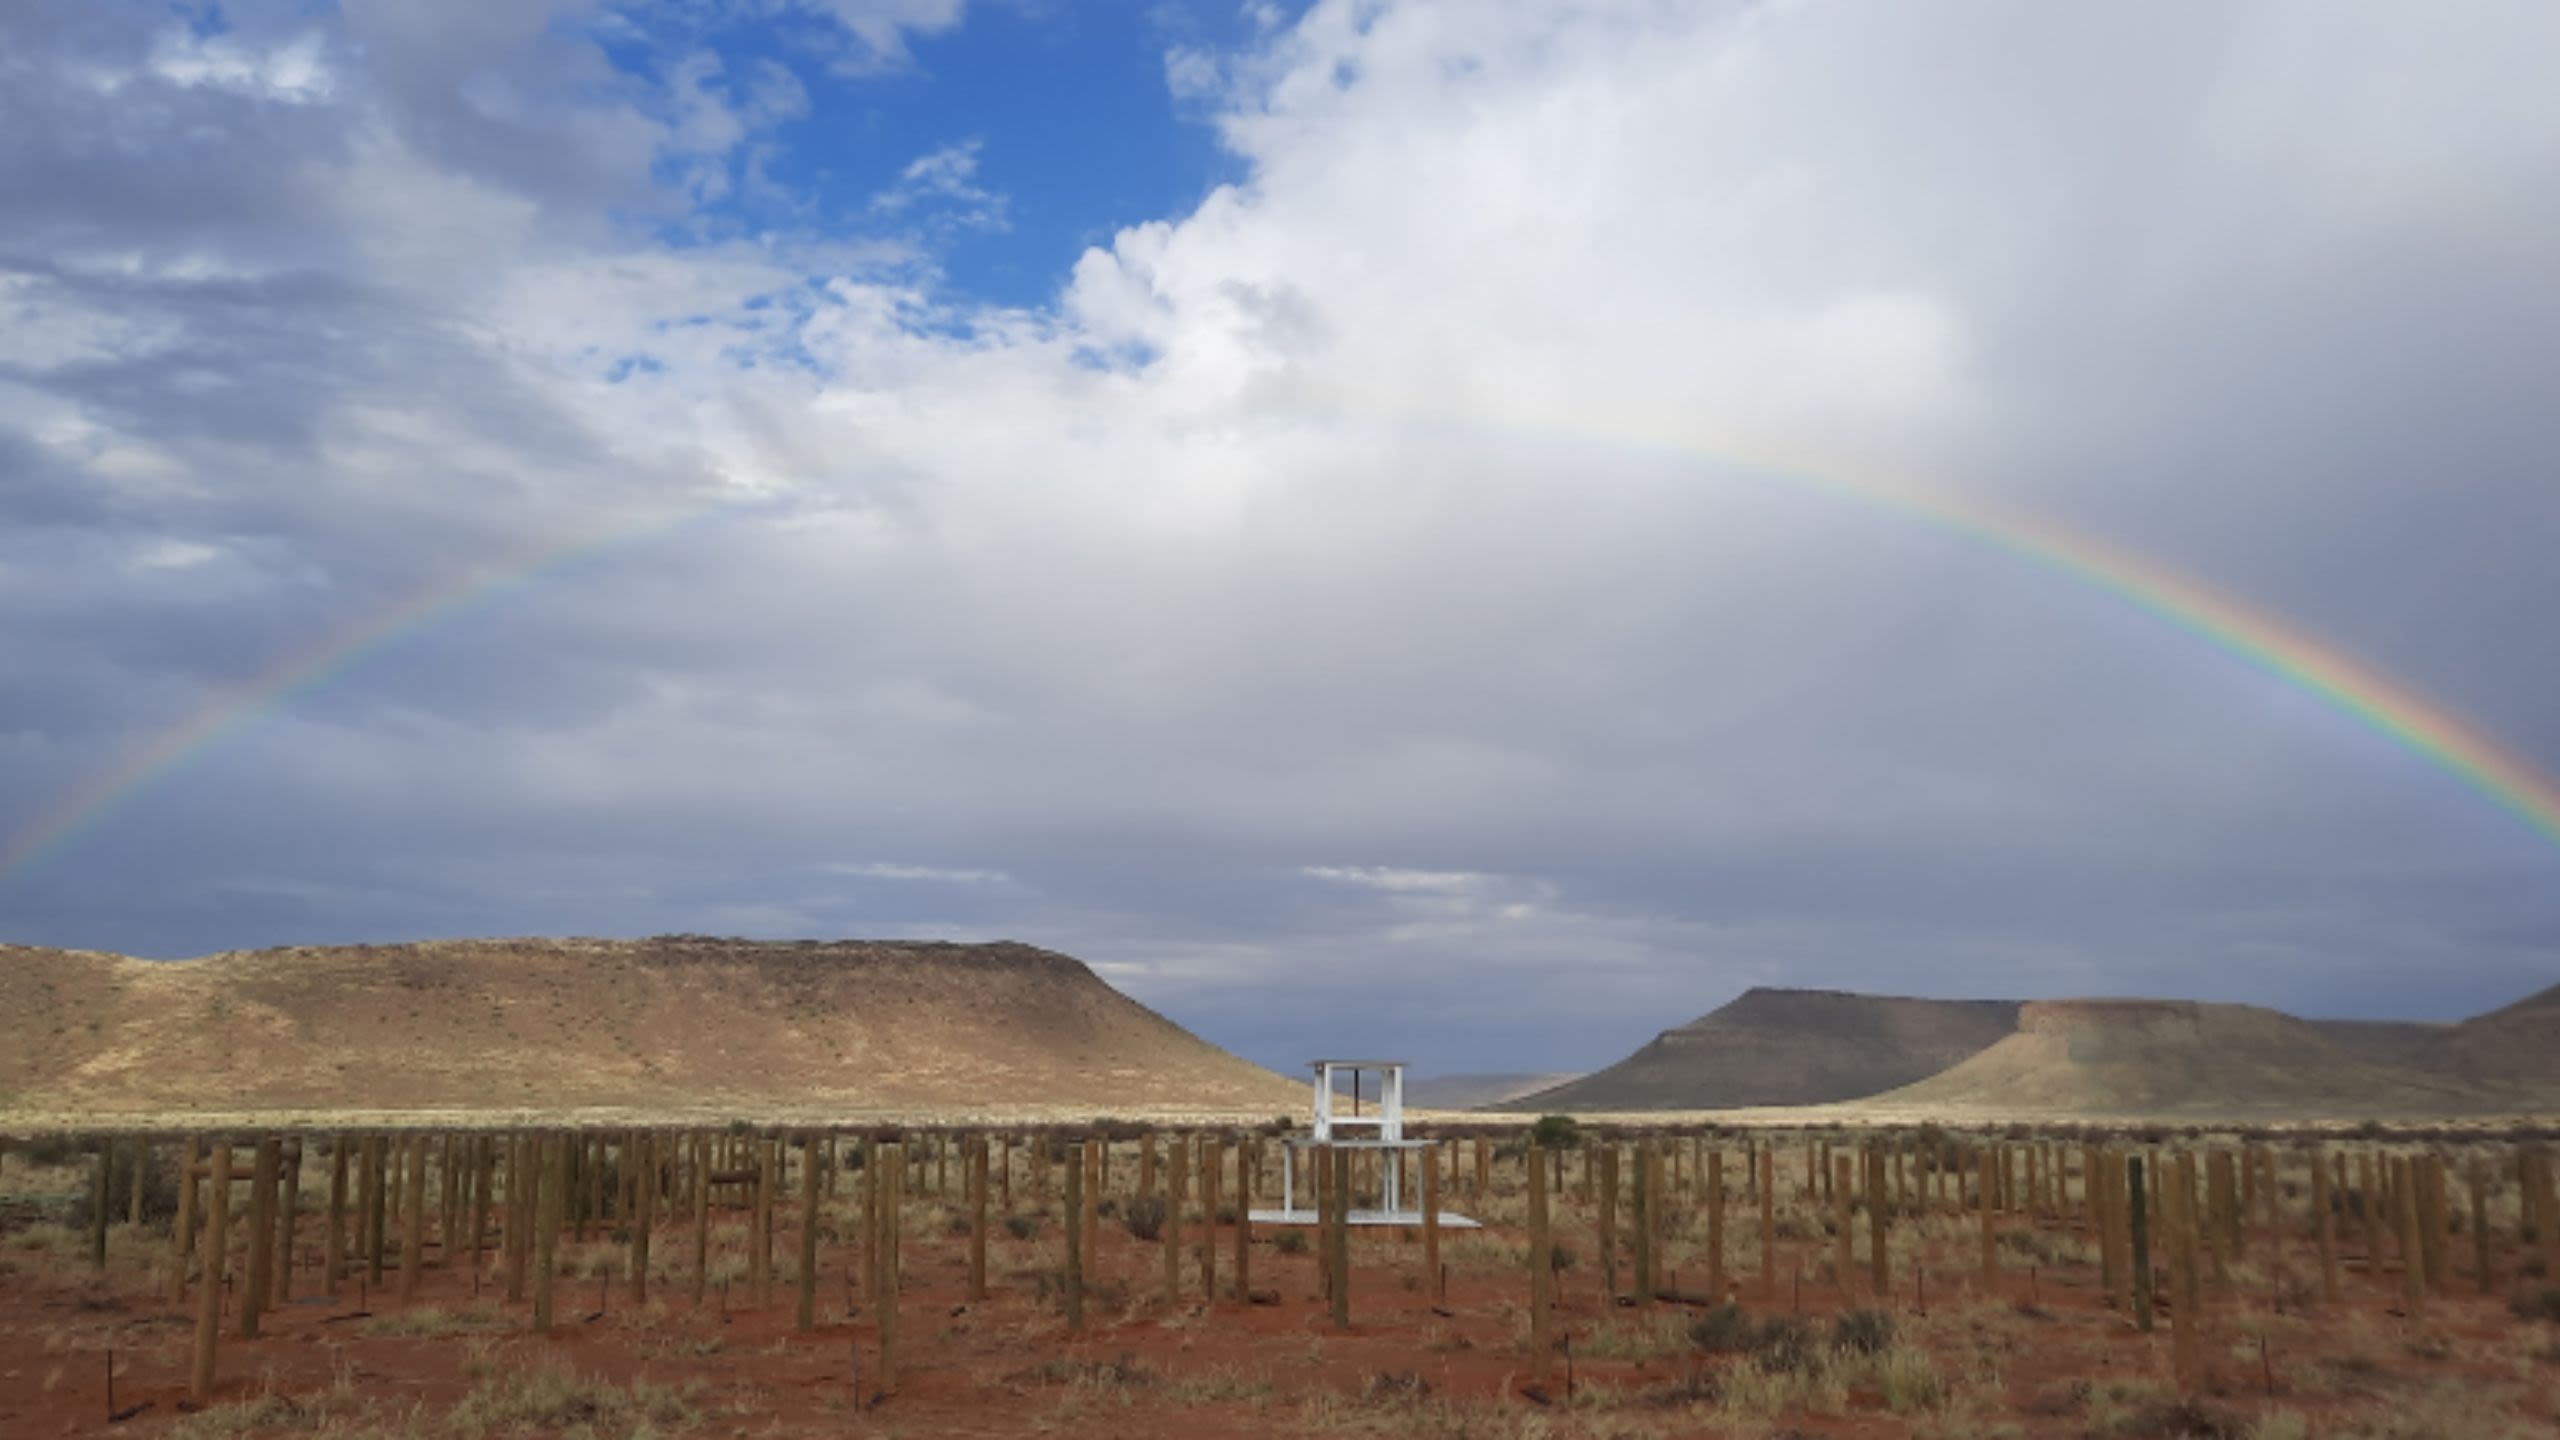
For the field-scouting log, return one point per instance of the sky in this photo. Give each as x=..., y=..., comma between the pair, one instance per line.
x=1472, y=530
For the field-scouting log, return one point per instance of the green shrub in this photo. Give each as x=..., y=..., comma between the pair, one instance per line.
x=1556, y=1132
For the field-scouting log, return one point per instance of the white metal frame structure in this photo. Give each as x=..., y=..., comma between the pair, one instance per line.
x=1381, y=1129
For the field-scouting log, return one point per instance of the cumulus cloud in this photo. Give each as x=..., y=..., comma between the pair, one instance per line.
x=1421, y=572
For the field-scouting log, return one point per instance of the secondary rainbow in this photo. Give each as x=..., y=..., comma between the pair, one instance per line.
x=2393, y=710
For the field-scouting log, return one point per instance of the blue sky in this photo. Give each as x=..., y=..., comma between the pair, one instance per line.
x=1063, y=111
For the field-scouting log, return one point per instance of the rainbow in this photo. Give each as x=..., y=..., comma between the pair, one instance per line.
x=2390, y=709
x=318, y=664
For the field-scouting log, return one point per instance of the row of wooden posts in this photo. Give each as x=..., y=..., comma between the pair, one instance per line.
x=2199, y=1213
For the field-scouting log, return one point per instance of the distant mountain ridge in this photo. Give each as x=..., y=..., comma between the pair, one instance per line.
x=1774, y=1046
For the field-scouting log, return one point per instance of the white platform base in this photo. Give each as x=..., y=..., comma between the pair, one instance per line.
x=1388, y=1218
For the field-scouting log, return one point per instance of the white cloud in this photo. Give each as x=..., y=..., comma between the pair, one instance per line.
x=945, y=182
x=933, y=874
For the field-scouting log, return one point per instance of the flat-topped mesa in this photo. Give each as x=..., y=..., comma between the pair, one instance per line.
x=2111, y=1017
x=1776, y=1046
x=672, y=1022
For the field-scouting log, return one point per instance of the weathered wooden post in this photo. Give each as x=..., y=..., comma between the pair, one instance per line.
x=1245, y=1152
x=1990, y=1238
x=2186, y=1308
x=701, y=1149
x=1091, y=1218
x=1211, y=1153
x=886, y=1267
x=2480, y=1263
x=2413, y=1264
x=1715, y=1222
x=413, y=1217
x=376, y=1202
x=553, y=1163
x=976, y=1163
x=1340, y=1216
x=806, y=1318
x=1844, y=1222
x=2138, y=1240
x=1608, y=1219
x=768, y=1185
x=1768, y=1223
x=640, y=1155
x=1879, y=1258
x=288, y=1210
x=182, y=1237
x=484, y=1161
x=216, y=1242
x=1075, y=1239
x=1434, y=1282
x=101, y=1197
x=1173, y=1197
x=1640, y=1226
x=262, y=1236
x=1542, y=1275
x=2324, y=1216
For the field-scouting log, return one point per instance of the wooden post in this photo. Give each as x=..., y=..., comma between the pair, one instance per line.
x=1640, y=1226
x=1608, y=1221
x=133, y=1182
x=1211, y=1153
x=216, y=1244
x=377, y=1201
x=701, y=1218
x=1341, y=1216
x=891, y=1184
x=333, y=1239
x=1173, y=1190
x=484, y=1160
x=2480, y=1263
x=413, y=1217
x=1095, y=1153
x=768, y=1195
x=640, y=1159
x=977, y=1163
x=2324, y=1216
x=182, y=1237
x=101, y=1198
x=1715, y=1222
x=1990, y=1238
x=288, y=1210
x=2431, y=1222
x=1245, y=1151
x=2186, y=1310
x=1147, y=1163
x=2413, y=1264
x=806, y=1318
x=2097, y=1183
x=1075, y=1239
x=1542, y=1274
x=551, y=1186
x=2137, y=1228
x=1879, y=1257
x=1769, y=1224
x=260, y=1267
x=1432, y=1280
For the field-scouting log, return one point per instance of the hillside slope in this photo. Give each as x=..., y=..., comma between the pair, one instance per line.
x=2174, y=1057
x=1787, y=1047
x=675, y=1022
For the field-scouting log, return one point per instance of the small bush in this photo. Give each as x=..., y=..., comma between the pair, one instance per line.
x=2542, y=1304
x=1022, y=1227
x=1725, y=1330
x=1863, y=1332
x=1290, y=1242
x=1145, y=1217
x=1787, y=1345
x=1560, y=1256
x=1556, y=1132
